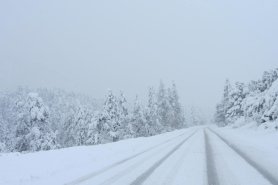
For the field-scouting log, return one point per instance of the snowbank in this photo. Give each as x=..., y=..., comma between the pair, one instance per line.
x=259, y=143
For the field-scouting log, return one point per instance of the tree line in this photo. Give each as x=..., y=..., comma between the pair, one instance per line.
x=255, y=101
x=53, y=119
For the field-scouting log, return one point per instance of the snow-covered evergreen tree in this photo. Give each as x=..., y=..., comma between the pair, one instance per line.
x=236, y=97
x=176, y=106
x=220, y=114
x=68, y=136
x=141, y=127
x=161, y=101
x=111, y=117
x=262, y=107
x=170, y=110
x=82, y=119
x=7, y=120
x=125, y=129
x=32, y=131
x=94, y=129
x=3, y=134
x=223, y=107
x=165, y=110
x=269, y=77
x=152, y=113
x=271, y=103
x=122, y=104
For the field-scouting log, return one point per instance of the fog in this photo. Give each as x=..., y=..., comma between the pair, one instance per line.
x=89, y=46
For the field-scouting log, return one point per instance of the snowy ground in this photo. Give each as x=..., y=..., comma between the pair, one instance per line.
x=189, y=156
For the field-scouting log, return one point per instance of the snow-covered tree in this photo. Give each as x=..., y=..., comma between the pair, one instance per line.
x=269, y=77
x=236, y=97
x=125, y=129
x=271, y=103
x=7, y=120
x=32, y=131
x=3, y=134
x=165, y=111
x=263, y=106
x=82, y=119
x=68, y=136
x=94, y=129
x=161, y=101
x=122, y=104
x=111, y=117
x=220, y=115
x=152, y=114
x=256, y=86
x=176, y=106
x=170, y=110
x=140, y=125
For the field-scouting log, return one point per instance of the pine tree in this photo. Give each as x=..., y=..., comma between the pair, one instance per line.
x=94, y=129
x=161, y=100
x=170, y=110
x=152, y=113
x=125, y=129
x=139, y=120
x=177, y=121
x=222, y=108
x=111, y=115
x=3, y=131
x=269, y=77
x=69, y=134
x=271, y=103
x=122, y=104
x=32, y=131
x=7, y=120
x=82, y=119
x=165, y=110
x=236, y=98
x=220, y=115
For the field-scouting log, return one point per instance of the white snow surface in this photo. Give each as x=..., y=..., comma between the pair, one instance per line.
x=185, y=166
x=65, y=165
x=259, y=143
x=264, y=136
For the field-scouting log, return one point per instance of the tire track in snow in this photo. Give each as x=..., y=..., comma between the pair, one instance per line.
x=142, y=178
x=171, y=176
x=132, y=167
x=98, y=172
x=264, y=172
x=212, y=177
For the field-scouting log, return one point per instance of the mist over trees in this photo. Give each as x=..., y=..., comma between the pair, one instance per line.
x=257, y=100
x=53, y=119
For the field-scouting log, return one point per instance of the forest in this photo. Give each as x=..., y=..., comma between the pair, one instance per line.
x=47, y=119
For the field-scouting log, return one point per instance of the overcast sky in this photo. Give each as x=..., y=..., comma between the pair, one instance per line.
x=89, y=46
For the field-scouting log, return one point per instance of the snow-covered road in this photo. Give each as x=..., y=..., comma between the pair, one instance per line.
x=197, y=155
